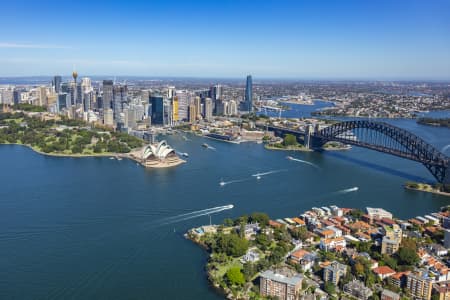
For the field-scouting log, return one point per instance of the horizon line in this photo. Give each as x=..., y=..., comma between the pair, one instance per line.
x=289, y=78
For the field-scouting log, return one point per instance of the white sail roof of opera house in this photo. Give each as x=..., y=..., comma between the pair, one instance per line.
x=159, y=151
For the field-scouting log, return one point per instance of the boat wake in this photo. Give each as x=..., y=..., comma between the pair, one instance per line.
x=259, y=175
x=345, y=191
x=223, y=183
x=303, y=161
x=194, y=214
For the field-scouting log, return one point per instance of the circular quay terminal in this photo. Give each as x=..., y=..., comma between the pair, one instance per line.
x=227, y=149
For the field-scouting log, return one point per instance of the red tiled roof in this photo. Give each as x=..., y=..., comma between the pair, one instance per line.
x=383, y=270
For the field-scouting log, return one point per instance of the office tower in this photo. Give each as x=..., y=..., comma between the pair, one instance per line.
x=198, y=107
x=16, y=97
x=131, y=118
x=192, y=113
x=168, y=120
x=139, y=111
x=157, y=106
x=220, y=107
x=117, y=101
x=175, y=115
x=63, y=101
x=79, y=94
x=108, y=119
x=183, y=104
x=170, y=92
x=87, y=100
x=56, y=83
x=232, y=108
x=107, y=97
x=145, y=96
x=249, y=94
x=208, y=109
x=42, y=96
x=216, y=92
x=75, y=92
x=86, y=84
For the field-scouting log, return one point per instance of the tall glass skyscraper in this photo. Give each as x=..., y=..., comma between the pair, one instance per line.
x=57, y=83
x=249, y=94
x=107, y=94
x=157, y=103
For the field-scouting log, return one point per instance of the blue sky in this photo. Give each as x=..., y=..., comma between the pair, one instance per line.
x=314, y=39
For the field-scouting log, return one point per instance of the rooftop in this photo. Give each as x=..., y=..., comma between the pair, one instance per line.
x=283, y=278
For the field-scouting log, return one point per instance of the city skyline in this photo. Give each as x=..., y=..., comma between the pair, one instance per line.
x=230, y=39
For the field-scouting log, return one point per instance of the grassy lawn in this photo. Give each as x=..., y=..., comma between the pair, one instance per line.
x=223, y=268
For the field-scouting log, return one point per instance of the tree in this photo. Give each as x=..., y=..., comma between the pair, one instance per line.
x=261, y=218
x=228, y=222
x=363, y=246
x=299, y=233
x=356, y=213
x=235, y=276
x=329, y=288
x=249, y=270
x=290, y=140
x=231, y=244
x=407, y=256
x=262, y=241
x=390, y=261
x=358, y=269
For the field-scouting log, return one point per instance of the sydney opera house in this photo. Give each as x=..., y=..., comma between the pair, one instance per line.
x=159, y=155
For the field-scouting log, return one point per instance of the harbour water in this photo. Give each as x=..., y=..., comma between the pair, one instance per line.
x=93, y=228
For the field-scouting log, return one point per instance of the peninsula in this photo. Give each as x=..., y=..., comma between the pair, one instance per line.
x=327, y=253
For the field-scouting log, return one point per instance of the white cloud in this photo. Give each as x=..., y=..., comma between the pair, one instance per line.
x=32, y=46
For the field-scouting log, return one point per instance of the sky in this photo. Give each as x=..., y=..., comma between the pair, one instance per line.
x=304, y=39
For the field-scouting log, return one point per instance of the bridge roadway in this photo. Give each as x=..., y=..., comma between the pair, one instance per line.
x=408, y=145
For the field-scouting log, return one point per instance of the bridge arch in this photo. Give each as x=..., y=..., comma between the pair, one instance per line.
x=386, y=138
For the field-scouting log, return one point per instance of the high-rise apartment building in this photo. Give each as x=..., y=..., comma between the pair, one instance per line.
x=419, y=285
x=334, y=272
x=278, y=285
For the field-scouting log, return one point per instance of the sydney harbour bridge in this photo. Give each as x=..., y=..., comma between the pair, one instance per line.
x=378, y=136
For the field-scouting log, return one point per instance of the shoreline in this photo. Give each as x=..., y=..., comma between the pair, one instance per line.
x=78, y=155
x=217, y=288
x=130, y=156
x=268, y=147
x=431, y=191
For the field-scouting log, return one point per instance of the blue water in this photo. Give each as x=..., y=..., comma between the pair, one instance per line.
x=93, y=228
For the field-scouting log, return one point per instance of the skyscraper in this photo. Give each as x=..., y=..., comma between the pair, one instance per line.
x=208, y=109
x=183, y=104
x=117, y=101
x=198, y=107
x=107, y=94
x=175, y=116
x=157, y=102
x=249, y=94
x=57, y=83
